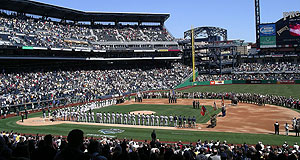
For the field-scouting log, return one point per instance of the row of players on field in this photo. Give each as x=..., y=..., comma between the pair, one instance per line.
x=125, y=118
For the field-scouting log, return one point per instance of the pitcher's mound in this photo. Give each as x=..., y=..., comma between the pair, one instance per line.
x=142, y=112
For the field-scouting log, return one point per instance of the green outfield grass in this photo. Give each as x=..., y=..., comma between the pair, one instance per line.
x=142, y=134
x=274, y=89
x=183, y=110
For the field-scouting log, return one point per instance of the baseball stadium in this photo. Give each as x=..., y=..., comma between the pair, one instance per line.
x=118, y=85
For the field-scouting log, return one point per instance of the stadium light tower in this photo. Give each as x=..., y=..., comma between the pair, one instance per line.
x=257, y=22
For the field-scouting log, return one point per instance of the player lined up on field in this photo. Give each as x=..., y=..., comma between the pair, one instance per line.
x=85, y=114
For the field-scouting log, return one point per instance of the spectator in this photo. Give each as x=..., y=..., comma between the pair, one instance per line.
x=73, y=150
x=46, y=149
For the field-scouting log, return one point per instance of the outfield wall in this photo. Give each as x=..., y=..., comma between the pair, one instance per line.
x=188, y=83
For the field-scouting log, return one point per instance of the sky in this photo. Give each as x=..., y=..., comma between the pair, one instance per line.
x=237, y=16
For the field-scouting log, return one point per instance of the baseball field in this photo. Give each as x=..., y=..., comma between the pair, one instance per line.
x=244, y=123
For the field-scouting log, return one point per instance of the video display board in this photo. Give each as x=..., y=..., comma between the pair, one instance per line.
x=288, y=29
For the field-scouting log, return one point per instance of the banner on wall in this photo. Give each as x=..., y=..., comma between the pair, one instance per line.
x=286, y=82
x=216, y=82
x=267, y=35
x=253, y=82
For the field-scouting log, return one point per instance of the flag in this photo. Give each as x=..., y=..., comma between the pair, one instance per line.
x=203, y=110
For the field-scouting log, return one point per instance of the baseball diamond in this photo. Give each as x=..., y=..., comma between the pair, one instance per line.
x=233, y=122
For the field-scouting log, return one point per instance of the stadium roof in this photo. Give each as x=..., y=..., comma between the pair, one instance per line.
x=48, y=10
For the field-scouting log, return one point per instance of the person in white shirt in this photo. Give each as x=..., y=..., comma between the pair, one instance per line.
x=286, y=126
x=296, y=146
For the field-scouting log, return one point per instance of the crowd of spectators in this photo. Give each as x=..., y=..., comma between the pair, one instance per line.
x=20, y=88
x=77, y=147
x=248, y=76
x=132, y=33
x=32, y=32
x=257, y=71
x=267, y=67
x=26, y=31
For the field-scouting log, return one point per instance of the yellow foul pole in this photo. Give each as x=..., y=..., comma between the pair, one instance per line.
x=193, y=53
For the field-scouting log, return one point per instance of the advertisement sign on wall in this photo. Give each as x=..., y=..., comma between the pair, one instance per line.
x=286, y=82
x=253, y=82
x=267, y=35
x=216, y=82
x=268, y=42
x=267, y=30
